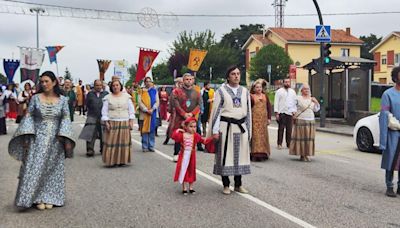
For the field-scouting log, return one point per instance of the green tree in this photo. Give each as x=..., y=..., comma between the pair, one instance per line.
x=180, y=48
x=162, y=75
x=270, y=55
x=67, y=74
x=236, y=38
x=3, y=79
x=369, y=42
x=219, y=57
x=132, y=74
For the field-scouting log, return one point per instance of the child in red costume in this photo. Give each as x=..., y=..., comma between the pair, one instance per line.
x=186, y=166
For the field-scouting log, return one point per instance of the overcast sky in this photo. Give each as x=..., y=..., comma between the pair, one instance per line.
x=86, y=40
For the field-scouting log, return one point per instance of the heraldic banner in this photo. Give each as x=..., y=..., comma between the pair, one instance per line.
x=31, y=61
x=53, y=50
x=103, y=67
x=196, y=57
x=10, y=67
x=146, y=59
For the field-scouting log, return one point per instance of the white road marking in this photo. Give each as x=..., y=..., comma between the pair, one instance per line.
x=246, y=196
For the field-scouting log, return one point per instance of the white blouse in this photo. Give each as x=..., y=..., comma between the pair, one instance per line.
x=104, y=111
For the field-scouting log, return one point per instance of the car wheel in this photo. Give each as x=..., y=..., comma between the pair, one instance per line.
x=365, y=141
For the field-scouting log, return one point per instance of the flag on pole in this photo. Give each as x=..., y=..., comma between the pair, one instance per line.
x=196, y=57
x=146, y=59
x=31, y=61
x=53, y=50
x=10, y=66
x=103, y=67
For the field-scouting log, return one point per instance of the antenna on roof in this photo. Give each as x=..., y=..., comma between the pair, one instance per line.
x=279, y=12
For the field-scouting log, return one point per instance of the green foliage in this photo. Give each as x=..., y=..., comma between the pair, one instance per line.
x=237, y=38
x=369, y=42
x=375, y=104
x=270, y=55
x=67, y=74
x=219, y=57
x=161, y=75
x=132, y=73
x=3, y=79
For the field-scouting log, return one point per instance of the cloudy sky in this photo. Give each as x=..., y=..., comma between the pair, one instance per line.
x=86, y=40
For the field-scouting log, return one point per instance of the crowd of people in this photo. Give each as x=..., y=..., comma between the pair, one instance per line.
x=232, y=122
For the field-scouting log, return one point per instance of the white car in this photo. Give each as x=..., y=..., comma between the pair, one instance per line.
x=366, y=133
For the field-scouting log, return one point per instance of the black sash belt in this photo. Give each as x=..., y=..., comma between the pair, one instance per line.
x=231, y=121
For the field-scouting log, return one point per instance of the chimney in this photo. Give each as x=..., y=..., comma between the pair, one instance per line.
x=348, y=31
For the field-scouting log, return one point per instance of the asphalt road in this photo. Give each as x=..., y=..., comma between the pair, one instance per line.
x=341, y=187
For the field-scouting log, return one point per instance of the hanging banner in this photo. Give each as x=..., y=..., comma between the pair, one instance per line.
x=121, y=69
x=146, y=59
x=53, y=50
x=30, y=63
x=10, y=67
x=103, y=67
x=196, y=57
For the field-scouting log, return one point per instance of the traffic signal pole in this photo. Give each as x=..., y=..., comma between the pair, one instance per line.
x=321, y=71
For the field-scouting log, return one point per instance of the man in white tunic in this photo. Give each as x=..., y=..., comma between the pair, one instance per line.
x=231, y=128
x=285, y=108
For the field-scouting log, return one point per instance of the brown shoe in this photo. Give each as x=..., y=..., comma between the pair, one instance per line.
x=241, y=190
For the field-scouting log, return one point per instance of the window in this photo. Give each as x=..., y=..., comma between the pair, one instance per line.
x=384, y=59
x=252, y=54
x=397, y=59
x=345, y=51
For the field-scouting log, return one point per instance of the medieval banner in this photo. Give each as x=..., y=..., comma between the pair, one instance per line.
x=31, y=61
x=196, y=57
x=103, y=67
x=146, y=59
x=10, y=66
x=53, y=50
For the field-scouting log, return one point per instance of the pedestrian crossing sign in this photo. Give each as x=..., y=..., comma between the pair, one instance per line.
x=323, y=33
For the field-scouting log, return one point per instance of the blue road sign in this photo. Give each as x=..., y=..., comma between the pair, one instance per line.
x=323, y=33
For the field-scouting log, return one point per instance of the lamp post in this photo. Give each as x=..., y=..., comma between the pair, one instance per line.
x=321, y=71
x=37, y=10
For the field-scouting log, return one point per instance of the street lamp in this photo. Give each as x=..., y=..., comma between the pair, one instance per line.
x=37, y=10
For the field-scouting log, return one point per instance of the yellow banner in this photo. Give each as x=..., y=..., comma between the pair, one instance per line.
x=196, y=57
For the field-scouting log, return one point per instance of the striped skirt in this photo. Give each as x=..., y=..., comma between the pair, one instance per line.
x=303, y=138
x=117, y=144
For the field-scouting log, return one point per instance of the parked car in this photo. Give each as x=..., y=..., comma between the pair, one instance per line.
x=366, y=133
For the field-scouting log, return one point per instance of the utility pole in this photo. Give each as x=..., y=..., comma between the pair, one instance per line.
x=321, y=70
x=279, y=12
x=37, y=10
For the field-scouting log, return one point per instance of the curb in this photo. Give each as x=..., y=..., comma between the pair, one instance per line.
x=327, y=130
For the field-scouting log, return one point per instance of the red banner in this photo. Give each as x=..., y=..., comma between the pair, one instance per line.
x=146, y=59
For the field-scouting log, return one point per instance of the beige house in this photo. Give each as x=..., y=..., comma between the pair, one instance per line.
x=300, y=45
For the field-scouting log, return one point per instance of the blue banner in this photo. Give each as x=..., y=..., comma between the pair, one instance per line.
x=10, y=66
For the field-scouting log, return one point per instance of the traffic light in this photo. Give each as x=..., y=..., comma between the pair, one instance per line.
x=326, y=53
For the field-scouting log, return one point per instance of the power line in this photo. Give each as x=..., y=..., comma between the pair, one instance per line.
x=91, y=13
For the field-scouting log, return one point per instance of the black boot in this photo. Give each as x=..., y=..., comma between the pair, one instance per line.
x=398, y=190
x=390, y=192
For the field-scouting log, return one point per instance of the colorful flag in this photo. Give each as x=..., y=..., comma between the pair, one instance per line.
x=146, y=59
x=103, y=67
x=196, y=57
x=31, y=61
x=10, y=66
x=53, y=50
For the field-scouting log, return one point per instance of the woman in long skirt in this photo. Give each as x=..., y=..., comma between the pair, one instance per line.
x=261, y=113
x=303, y=135
x=42, y=142
x=118, y=114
